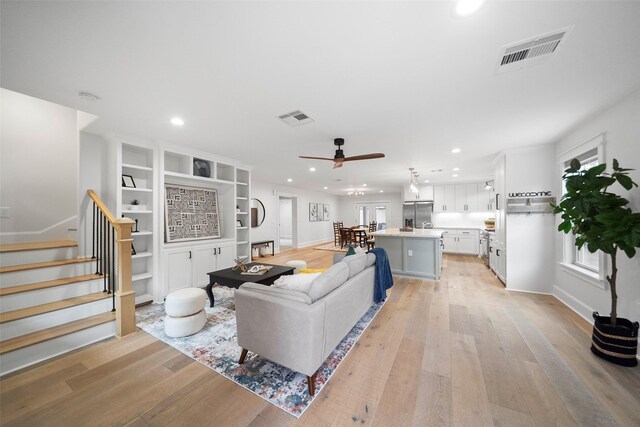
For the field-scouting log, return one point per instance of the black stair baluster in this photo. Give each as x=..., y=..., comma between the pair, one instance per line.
x=104, y=252
x=93, y=241
x=112, y=276
x=107, y=239
x=96, y=239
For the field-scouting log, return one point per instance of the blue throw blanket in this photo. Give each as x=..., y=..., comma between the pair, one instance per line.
x=383, y=279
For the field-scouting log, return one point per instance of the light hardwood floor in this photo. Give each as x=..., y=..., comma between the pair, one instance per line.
x=462, y=351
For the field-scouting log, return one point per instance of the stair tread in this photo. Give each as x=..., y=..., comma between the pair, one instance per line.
x=23, y=267
x=35, y=310
x=22, y=341
x=48, y=284
x=34, y=246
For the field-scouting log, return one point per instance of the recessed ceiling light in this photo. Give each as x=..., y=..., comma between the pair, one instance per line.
x=312, y=169
x=426, y=180
x=289, y=180
x=467, y=7
x=455, y=175
x=456, y=169
x=364, y=185
x=382, y=191
x=177, y=121
x=325, y=188
x=456, y=150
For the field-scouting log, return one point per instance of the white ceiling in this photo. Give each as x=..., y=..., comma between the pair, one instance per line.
x=407, y=79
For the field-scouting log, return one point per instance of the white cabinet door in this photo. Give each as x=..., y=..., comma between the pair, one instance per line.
x=467, y=244
x=460, y=197
x=203, y=261
x=450, y=198
x=472, y=197
x=438, y=198
x=225, y=256
x=178, y=270
x=450, y=243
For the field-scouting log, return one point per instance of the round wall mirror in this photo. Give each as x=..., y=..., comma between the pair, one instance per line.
x=257, y=213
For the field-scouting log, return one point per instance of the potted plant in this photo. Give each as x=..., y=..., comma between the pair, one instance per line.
x=135, y=205
x=602, y=221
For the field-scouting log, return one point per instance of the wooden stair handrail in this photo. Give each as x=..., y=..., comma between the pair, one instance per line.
x=125, y=295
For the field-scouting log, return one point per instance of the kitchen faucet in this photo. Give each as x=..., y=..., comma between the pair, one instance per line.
x=426, y=224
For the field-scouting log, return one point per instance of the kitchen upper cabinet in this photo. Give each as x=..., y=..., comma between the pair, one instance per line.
x=466, y=197
x=444, y=198
x=425, y=192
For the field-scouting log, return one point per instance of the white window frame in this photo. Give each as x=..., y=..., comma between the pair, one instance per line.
x=569, y=256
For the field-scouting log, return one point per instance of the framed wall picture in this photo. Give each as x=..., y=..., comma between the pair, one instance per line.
x=127, y=181
x=313, y=212
x=325, y=212
x=191, y=213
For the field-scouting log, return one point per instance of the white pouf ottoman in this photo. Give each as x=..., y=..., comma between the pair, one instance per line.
x=185, y=312
x=298, y=264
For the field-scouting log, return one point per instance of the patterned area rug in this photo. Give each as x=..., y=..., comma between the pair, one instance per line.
x=331, y=247
x=216, y=347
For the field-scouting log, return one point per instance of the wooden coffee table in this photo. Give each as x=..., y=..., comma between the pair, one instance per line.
x=233, y=279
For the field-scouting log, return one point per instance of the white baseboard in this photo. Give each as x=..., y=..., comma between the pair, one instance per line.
x=65, y=229
x=528, y=292
x=315, y=242
x=574, y=304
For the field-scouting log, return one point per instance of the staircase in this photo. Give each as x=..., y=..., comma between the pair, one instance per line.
x=53, y=301
x=50, y=302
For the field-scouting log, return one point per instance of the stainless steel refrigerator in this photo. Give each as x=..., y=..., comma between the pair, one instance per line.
x=417, y=214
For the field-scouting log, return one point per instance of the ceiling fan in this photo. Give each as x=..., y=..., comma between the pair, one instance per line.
x=339, y=157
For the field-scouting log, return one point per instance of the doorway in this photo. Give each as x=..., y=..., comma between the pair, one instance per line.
x=372, y=211
x=286, y=228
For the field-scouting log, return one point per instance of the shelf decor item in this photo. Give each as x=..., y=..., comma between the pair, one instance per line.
x=128, y=182
x=191, y=213
x=201, y=168
x=135, y=205
x=602, y=221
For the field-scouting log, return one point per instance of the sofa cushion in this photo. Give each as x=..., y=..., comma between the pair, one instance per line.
x=356, y=263
x=296, y=282
x=287, y=294
x=371, y=259
x=335, y=276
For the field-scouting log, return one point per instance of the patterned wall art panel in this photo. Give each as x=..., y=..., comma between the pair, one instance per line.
x=325, y=212
x=191, y=213
x=313, y=212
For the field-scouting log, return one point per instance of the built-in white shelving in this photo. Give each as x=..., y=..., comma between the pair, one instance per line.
x=243, y=196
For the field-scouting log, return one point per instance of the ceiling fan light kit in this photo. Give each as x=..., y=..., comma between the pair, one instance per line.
x=339, y=157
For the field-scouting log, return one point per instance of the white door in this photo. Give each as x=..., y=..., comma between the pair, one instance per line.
x=450, y=198
x=438, y=198
x=460, y=196
x=472, y=191
x=225, y=256
x=467, y=244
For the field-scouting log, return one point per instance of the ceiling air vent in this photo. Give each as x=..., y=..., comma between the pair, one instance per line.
x=296, y=118
x=531, y=52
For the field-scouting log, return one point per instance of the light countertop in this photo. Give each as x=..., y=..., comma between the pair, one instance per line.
x=416, y=233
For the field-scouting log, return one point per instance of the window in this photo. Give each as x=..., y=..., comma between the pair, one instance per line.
x=581, y=262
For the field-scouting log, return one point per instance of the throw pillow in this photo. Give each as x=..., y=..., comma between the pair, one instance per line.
x=296, y=282
x=351, y=251
x=312, y=270
x=359, y=250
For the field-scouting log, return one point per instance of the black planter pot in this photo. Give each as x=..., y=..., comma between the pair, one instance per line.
x=617, y=344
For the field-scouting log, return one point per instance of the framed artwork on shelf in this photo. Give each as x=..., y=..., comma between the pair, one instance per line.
x=133, y=250
x=313, y=212
x=191, y=213
x=127, y=181
x=325, y=212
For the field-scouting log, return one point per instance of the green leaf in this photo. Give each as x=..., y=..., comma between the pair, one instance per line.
x=574, y=165
x=625, y=181
x=616, y=166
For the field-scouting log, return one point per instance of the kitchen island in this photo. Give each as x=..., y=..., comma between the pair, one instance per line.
x=412, y=253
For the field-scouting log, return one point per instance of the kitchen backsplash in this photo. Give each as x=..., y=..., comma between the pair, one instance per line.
x=472, y=220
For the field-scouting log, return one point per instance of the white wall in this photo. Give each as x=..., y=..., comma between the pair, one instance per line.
x=621, y=125
x=286, y=220
x=308, y=233
x=450, y=219
x=347, y=208
x=529, y=248
x=39, y=168
x=95, y=168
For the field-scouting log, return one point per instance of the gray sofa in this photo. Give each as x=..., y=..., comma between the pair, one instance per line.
x=297, y=329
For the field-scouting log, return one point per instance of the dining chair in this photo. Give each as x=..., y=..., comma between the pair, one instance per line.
x=336, y=232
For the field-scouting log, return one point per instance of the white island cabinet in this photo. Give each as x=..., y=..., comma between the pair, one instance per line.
x=412, y=253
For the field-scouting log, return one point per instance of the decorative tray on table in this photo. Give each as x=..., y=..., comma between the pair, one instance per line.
x=257, y=270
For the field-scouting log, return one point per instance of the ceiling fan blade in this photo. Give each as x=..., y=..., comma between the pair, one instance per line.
x=364, y=157
x=316, y=158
